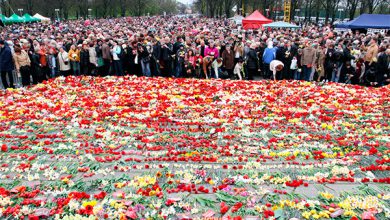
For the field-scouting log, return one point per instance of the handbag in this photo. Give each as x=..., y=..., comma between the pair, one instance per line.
x=65, y=62
x=100, y=62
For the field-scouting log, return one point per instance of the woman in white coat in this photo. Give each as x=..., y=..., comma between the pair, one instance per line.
x=63, y=61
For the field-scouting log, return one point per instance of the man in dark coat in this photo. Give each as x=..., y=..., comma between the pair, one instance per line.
x=382, y=70
x=6, y=65
x=252, y=62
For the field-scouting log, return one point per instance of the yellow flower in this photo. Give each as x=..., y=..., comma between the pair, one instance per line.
x=327, y=195
x=90, y=203
x=65, y=180
x=316, y=216
x=306, y=215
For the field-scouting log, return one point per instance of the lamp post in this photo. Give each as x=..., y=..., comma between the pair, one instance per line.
x=267, y=10
x=20, y=10
x=297, y=13
x=340, y=10
x=89, y=13
x=58, y=13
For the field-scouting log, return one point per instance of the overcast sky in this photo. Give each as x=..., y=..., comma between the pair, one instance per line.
x=185, y=1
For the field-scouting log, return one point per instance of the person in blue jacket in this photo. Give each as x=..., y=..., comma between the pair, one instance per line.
x=268, y=56
x=6, y=65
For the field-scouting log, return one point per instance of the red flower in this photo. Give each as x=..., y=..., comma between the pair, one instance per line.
x=33, y=217
x=4, y=148
x=236, y=207
x=101, y=195
x=224, y=208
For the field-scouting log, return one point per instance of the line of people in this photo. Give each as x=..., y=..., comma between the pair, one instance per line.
x=196, y=47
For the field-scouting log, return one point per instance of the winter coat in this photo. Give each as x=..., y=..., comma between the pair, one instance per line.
x=228, y=59
x=22, y=60
x=6, y=61
x=252, y=61
x=92, y=56
x=269, y=55
x=214, y=50
x=308, y=56
x=62, y=59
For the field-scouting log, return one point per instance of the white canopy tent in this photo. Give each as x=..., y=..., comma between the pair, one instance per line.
x=237, y=19
x=42, y=18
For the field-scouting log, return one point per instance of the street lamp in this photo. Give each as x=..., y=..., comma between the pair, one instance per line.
x=20, y=10
x=58, y=13
x=340, y=10
x=267, y=10
x=297, y=10
x=89, y=13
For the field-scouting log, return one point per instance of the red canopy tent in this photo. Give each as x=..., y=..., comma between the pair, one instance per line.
x=255, y=21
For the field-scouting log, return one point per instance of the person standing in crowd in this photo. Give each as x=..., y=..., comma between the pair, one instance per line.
x=178, y=44
x=166, y=57
x=252, y=62
x=6, y=65
x=144, y=58
x=84, y=60
x=281, y=56
x=308, y=60
x=107, y=59
x=320, y=63
x=74, y=57
x=198, y=64
x=43, y=55
x=288, y=55
x=22, y=65
x=268, y=56
x=52, y=61
x=36, y=66
x=63, y=61
x=294, y=68
x=238, y=49
x=156, y=55
x=339, y=59
x=383, y=66
x=117, y=53
x=99, y=57
x=228, y=60
x=202, y=48
x=93, y=60
x=180, y=58
x=371, y=52
x=330, y=62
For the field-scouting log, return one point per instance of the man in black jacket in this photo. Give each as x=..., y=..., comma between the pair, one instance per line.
x=383, y=65
x=252, y=63
x=6, y=65
x=156, y=55
x=166, y=57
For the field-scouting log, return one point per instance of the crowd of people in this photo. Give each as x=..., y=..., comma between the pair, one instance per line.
x=190, y=47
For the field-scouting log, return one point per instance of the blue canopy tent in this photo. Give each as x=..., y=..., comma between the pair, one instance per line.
x=364, y=21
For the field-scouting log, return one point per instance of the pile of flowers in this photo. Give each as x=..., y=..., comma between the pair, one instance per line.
x=157, y=148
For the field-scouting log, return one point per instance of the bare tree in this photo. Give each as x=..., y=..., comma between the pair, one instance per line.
x=351, y=7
